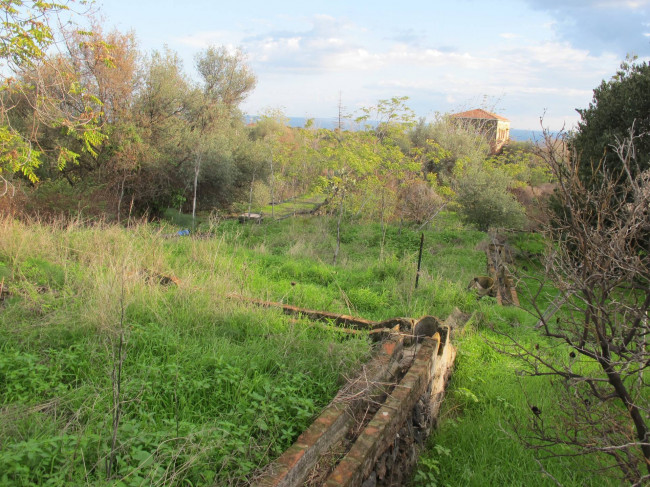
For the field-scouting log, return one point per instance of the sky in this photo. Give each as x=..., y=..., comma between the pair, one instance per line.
x=523, y=59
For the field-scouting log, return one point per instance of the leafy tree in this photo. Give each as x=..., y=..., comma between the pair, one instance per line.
x=272, y=130
x=522, y=162
x=456, y=158
x=348, y=156
x=388, y=118
x=226, y=76
x=419, y=200
x=433, y=158
x=226, y=81
x=56, y=97
x=365, y=169
x=108, y=65
x=387, y=126
x=179, y=142
x=482, y=191
x=440, y=145
x=160, y=115
x=617, y=105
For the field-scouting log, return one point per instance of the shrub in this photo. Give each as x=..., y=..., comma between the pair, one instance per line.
x=419, y=201
x=485, y=201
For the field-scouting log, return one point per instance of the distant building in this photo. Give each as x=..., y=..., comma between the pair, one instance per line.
x=494, y=127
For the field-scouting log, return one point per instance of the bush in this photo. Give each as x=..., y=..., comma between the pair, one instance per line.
x=419, y=201
x=485, y=201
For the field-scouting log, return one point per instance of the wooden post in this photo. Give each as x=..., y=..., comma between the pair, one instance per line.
x=417, y=276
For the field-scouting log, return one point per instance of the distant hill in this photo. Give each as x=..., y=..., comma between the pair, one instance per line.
x=330, y=123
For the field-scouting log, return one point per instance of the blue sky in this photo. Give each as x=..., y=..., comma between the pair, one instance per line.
x=520, y=58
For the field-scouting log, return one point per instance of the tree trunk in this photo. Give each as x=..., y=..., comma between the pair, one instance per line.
x=383, y=225
x=272, y=189
x=338, y=229
x=636, y=416
x=197, y=168
x=119, y=201
x=250, y=196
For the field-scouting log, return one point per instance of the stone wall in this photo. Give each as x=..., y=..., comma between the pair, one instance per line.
x=372, y=432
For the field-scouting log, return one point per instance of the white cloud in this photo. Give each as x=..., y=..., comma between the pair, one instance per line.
x=630, y=4
x=334, y=55
x=614, y=26
x=202, y=40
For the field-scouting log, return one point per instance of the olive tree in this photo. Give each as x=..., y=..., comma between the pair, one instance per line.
x=226, y=80
x=482, y=191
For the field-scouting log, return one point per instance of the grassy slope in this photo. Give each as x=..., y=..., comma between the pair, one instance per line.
x=213, y=388
x=475, y=443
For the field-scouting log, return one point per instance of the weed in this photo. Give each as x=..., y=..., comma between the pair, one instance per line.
x=213, y=389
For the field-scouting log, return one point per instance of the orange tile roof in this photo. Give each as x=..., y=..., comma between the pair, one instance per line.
x=480, y=114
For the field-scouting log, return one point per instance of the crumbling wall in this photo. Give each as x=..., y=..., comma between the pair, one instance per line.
x=394, y=467
x=372, y=432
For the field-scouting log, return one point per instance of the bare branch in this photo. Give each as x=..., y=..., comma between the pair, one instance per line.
x=599, y=263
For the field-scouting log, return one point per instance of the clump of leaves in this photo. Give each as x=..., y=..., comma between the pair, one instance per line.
x=484, y=199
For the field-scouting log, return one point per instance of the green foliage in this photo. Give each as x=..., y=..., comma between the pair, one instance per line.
x=443, y=144
x=210, y=392
x=486, y=396
x=227, y=77
x=36, y=87
x=600, y=268
x=484, y=199
x=183, y=131
x=368, y=168
x=618, y=105
x=166, y=141
x=214, y=389
x=428, y=468
x=25, y=30
x=521, y=163
x=16, y=154
x=43, y=273
x=389, y=118
x=178, y=219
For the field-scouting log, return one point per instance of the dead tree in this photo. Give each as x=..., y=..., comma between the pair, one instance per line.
x=595, y=348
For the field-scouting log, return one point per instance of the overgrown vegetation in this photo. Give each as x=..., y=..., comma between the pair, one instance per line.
x=589, y=351
x=209, y=390
x=123, y=361
x=94, y=125
x=488, y=398
x=598, y=268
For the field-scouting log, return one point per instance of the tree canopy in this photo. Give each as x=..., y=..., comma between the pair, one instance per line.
x=618, y=105
x=53, y=88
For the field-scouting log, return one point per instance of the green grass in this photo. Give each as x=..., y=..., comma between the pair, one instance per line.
x=213, y=389
x=487, y=398
x=182, y=220
x=475, y=444
x=300, y=204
